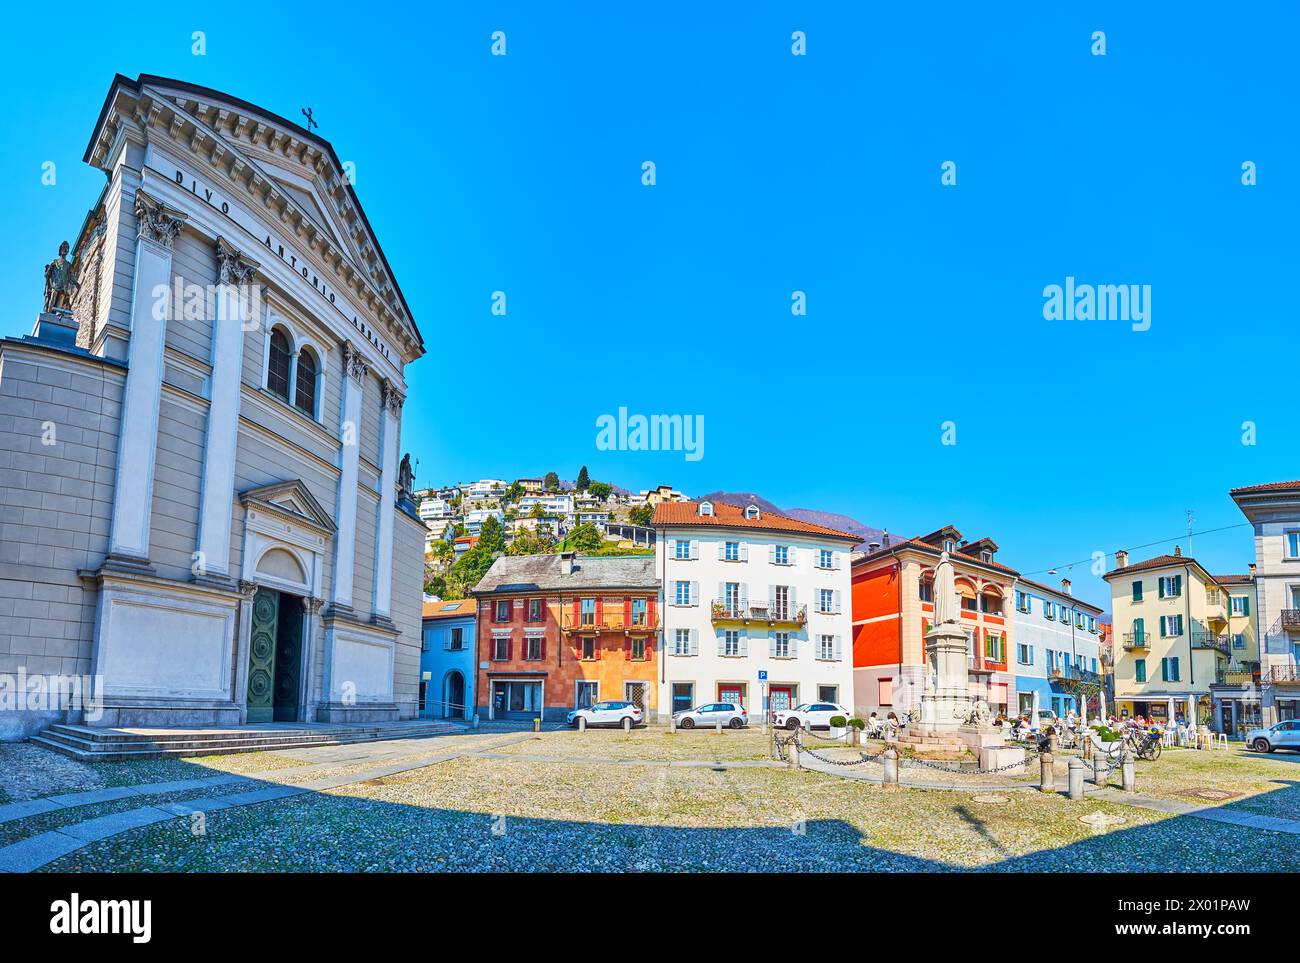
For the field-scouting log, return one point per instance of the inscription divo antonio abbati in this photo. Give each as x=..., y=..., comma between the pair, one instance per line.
x=218, y=203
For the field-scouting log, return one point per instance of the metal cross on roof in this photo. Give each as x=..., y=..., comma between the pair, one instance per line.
x=306, y=112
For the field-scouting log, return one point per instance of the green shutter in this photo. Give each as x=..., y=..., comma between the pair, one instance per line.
x=1245, y=605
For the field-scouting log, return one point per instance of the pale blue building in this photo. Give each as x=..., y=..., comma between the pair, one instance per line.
x=447, y=660
x=1057, y=645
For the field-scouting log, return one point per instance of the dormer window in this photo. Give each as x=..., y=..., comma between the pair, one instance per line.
x=948, y=545
x=706, y=508
x=986, y=556
x=752, y=512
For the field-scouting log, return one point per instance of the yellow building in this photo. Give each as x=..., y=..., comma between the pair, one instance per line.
x=1183, y=634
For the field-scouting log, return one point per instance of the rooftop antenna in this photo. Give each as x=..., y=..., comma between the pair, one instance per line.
x=306, y=112
x=1189, y=531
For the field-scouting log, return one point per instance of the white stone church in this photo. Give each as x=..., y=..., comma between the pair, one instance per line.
x=202, y=510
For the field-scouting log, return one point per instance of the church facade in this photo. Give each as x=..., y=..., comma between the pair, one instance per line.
x=204, y=516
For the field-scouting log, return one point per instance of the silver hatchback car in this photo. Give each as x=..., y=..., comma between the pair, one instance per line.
x=1283, y=735
x=733, y=716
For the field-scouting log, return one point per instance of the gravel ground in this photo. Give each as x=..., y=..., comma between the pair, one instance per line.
x=28, y=771
x=1268, y=785
x=475, y=814
x=654, y=744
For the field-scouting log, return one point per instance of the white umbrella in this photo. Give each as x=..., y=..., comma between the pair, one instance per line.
x=1033, y=719
x=1101, y=704
x=1172, y=710
x=1191, y=711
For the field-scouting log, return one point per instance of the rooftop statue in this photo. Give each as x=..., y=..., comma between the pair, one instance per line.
x=58, y=281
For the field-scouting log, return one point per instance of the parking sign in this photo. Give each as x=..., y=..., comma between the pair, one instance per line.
x=762, y=675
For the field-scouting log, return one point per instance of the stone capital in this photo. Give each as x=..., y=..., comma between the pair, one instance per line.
x=247, y=589
x=155, y=221
x=392, y=399
x=232, y=266
x=353, y=363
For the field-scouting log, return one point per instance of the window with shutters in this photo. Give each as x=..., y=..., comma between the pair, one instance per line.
x=825, y=558
x=826, y=647
x=682, y=642
x=457, y=639
x=732, y=553
x=781, y=554
x=1024, y=654
x=277, y=365
x=781, y=645
x=731, y=642
x=1239, y=605
x=926, y=590
x=638, y=649
x=502, y=613
x=588, y=612
x=1140, y=670
x=682, y=550
x=500, y=648
x=534, y=610
x=534, y=644
x=1171, y=586
x=639, y=612
x=825, y=601
x=780, y=601
x=1137, y=591
x=682, y=593
x=588, y=647
x=732, y=598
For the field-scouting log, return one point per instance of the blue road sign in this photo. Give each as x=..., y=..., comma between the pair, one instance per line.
x=762, y=675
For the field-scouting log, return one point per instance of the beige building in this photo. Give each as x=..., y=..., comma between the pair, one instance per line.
x=205, y=520
x=1180, y=633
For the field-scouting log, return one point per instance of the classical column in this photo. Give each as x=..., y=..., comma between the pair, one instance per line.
x=390, y=422
x=247, y=590
x=354, y=373
x=311, y=607
x=237, y=304
x=138, y=436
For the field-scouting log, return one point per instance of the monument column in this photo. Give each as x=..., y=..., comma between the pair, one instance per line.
x=138, y=437
x=237, y=304
x=391, y=419
x=354, y=373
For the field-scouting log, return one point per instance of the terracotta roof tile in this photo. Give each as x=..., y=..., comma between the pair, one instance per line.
x=923, y=546
x=1269, y=487
x=449, y=609
x=683, y=514
x=1160, y=561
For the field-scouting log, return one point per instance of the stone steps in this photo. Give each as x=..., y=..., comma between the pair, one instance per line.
x=90, y=744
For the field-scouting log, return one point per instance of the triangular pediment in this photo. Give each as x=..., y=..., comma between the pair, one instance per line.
x=290, y=499
x=273, y=162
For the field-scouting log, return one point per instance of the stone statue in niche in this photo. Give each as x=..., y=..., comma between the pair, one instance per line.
x=406, y=479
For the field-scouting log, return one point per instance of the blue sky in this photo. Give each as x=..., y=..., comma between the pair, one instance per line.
x=778, y=173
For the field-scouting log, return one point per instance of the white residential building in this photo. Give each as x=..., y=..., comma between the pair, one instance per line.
x=484, y=488
x=474, y=519
x=755, y=608
x=556, y=503
x=1274, y=511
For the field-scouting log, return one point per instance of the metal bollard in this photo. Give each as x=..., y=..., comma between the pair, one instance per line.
x=1047, y=775
x=1076, y=770
x=891, y=766
x=1099, y=777
x=1127, y=777
x=537, y=725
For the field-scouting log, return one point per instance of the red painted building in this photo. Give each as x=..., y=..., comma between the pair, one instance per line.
x=892, y=592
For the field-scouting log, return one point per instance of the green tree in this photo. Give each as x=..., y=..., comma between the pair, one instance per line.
x=601, y=490
x=583, y=479
x=551, y=482
x=491, y=537
x=585, y=538
x=641, y=514
x=514, y=492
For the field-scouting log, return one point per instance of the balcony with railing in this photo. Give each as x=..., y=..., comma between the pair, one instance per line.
x=1284, y=674
x=744, y=612
x=609, y=622
x=1073, y=673
x=1137, y=641
x=1290, y=620
x=1205, y=639
x=1237, y=674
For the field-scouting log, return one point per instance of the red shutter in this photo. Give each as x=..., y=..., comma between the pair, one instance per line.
x=600, y=610
x=627, y=611
x=650, y=612
x=543, y=648
x=577, y=613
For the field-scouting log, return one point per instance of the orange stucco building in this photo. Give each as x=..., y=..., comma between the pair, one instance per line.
x=559, y=632
x=892, y=592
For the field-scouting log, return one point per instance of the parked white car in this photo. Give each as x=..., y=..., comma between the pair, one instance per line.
x=611, y=713
x=733, y=716
x=810, y=715
x=1283, y=735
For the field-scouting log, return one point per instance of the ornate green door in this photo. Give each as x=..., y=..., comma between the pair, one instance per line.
x=261, y=656
x=288, y=649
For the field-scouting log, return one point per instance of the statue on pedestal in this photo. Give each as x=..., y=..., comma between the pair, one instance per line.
x=406, y=478
x=58, y=282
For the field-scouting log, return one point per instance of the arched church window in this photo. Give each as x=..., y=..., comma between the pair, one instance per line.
x=277, y=368
x=305, y=388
